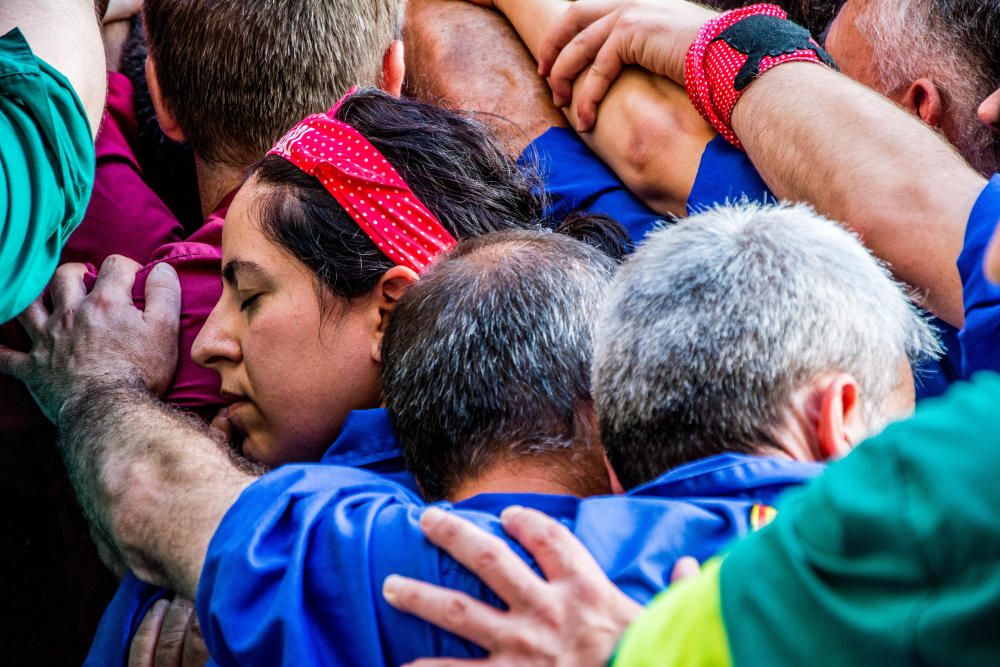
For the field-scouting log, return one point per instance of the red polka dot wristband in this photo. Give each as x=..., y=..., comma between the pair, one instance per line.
x=368, y=187
x=733, y=50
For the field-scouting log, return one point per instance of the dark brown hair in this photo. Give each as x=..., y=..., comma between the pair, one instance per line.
x=237, y=73
x=450, y=160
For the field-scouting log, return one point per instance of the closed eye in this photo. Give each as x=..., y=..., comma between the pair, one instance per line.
x=249, y=301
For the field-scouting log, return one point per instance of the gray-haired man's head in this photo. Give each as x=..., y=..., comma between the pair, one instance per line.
x=714, y=327
x=486, y=362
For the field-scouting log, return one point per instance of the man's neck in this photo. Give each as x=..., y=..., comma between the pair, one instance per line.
x=523, y=478
x=215, y=182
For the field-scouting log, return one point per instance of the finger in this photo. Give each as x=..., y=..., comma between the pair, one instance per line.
x=33, y=318
x=163, y=297
x=195, y=651
x=143, y=647
x=67, y=287
x=685, y=568
x=557, y=552
x=115, y=279
x=451, y=610
x=486, y=556
x=577, y=17
x=170, y=644
x=14, y=363
x=606, y=68
x=577, y=55
x=222, y=424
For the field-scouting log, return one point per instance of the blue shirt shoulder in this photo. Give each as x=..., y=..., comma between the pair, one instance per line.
x=294, y=573
x=366, y=440
x=981, y=298
x=576, y=179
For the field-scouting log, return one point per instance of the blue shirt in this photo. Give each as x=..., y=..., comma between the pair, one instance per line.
x=575, y=179
x=293, y=574
x=980, y=336
x=366, y=441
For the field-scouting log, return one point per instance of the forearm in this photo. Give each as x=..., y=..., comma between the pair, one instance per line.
x=152, y=481
x=647, y=131
x=65, y=34
x=867, y=164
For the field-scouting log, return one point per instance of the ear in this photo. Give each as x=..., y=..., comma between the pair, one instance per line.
x=387, y=293
x=166, y=119
x=616, y=485
x=839, y=417
x=393, y=69
x=923, y=99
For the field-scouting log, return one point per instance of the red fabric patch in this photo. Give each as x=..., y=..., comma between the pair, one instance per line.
x=370, y=189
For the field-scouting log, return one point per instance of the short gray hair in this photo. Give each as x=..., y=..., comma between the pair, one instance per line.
x=952, y=42
x=714, y=322
x=487, y=358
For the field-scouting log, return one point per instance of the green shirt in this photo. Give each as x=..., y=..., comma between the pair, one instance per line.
x=46, y=171
x=891, y=557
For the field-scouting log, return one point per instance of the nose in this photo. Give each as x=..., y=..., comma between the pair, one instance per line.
x=218, y=341
x=989, y=111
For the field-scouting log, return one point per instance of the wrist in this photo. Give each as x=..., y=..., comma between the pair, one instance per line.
x=734, y=50
x=106, y=390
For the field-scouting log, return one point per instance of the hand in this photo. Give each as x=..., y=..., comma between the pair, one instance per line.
x=609, y=34
x=119, y=10
x=169, y=635
x=575, y=618
x=992, y=264
x=98, y=336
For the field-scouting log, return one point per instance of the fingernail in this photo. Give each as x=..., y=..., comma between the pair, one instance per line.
x=163, y=269
x=431, y=516
x=510, y=513
x=160, y=606
x=390, y=587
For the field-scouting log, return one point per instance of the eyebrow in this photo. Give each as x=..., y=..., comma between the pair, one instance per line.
x=239, y=266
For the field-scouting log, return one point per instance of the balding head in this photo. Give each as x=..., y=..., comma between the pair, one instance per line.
x=486, y=361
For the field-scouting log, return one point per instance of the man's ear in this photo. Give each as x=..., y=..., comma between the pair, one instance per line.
x=393, y=69
x=387, y=293
x=166, y=119
x=616, y=485
x=839, y=417
x=923, y=99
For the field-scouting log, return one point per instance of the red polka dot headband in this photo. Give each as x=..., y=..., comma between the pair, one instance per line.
x=368, y=187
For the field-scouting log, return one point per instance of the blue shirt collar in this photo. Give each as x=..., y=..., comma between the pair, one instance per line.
x=495, y=503
x=728, y=475
x=365, y=439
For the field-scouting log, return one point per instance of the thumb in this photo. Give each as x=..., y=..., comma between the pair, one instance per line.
x=163, y=297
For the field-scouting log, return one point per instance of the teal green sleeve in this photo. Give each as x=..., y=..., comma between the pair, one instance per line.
x=46, y=171
x=892, y=557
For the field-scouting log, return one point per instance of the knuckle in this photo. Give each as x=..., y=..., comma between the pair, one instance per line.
x=455, y=612
x=487, y=556
x=410, y=597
